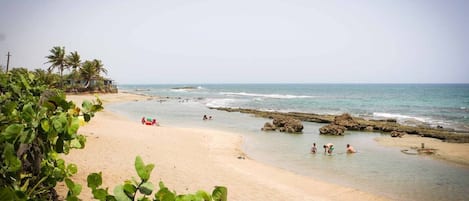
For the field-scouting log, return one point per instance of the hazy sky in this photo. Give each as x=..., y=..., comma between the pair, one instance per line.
x=252, y=41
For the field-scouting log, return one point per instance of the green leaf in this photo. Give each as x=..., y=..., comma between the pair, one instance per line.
x=100, y=194
x=12, y=131
x=119, y=194
x=146, y=188
x=27, y=137
x=12, y=162
x=28, y=113
x=58, y=123
x=45, y=125
x=72, y=168
x=165, y=195
x=74, y=189
x=72, y=198
x=8, y=194
x=204, y=195
x=129, y=189
x=59, y=145
x=74, y=125
x=86, y=105
x=143, y=171
x=220, y=193
x=94, y=180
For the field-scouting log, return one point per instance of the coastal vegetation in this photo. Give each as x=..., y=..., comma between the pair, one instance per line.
x=84, y=76
x=38, y=125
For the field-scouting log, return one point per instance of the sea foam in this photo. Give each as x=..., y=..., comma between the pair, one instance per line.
x=276, y=96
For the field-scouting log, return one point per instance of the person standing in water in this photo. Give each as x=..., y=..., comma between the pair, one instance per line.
x=313, y=148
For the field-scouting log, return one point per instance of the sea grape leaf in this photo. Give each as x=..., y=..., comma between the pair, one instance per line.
x=143, y=171
x=28, y=112
x=204, y=195
x=86, y=105
x=27, y=137
x=74, y=125
x=146, y=188
x=129, y=189
x=72, y=168
x=74, y=189
x=12, y=131
x=11, y=160
x=59, y=145
x=220, y=193
x=8, y=194
x=164, y=194
x=99, y=194
x=120, y=194
x=94, y=180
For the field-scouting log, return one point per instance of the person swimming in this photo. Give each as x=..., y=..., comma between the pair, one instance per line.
x=350, y=149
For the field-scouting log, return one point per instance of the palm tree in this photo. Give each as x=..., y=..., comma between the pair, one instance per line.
x=88, y=72
x=57, y=60
x=73, y=60
x=100, y=67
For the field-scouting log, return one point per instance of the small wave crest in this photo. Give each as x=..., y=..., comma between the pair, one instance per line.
x=221, y=102
x=276, y=96
x=397, y=116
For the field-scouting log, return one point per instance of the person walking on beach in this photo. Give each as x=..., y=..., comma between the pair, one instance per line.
x=313, y=148
x=350, y=149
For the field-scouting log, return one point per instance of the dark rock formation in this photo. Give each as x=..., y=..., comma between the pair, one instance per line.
x=397, y=134
x=387, y=125
x=346, y=121
x=332, y=129
x=268, y=127
x=284, y=124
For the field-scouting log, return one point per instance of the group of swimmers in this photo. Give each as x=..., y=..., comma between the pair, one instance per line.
x=206, y=118
x=329, y=148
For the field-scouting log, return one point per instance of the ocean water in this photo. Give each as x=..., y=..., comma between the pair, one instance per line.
x=377, y=169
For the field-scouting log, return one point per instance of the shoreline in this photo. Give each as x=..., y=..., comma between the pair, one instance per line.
x=457, y=153
x=188, y=160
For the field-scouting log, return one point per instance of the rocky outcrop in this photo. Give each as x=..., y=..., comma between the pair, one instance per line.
x=284, y=124
x=397, y=134
x=346, y=121
x=371, y=125
x=332, y=129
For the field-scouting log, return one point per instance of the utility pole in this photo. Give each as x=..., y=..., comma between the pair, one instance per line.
x=8, y=60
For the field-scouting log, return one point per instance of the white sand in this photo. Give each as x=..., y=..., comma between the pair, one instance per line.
x=187, y=160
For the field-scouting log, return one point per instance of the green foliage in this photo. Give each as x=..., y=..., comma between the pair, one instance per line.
x=36, y=124
x=131, y=189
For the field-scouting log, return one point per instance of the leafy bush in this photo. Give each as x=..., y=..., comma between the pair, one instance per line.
x=131, y=188
x=36, y=125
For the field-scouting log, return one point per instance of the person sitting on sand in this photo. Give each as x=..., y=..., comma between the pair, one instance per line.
x=350, y=149
x=313, y=148
x=205, y=117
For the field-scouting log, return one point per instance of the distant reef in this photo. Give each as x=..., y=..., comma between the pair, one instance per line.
x=187, y=87
x=360, y=124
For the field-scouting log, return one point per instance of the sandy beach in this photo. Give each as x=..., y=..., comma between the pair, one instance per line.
x=457, y=153
x=187, y=160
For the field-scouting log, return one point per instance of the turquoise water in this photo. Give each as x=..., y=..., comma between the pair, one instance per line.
x=430, y=104
x=381, y=170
